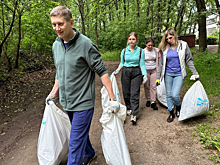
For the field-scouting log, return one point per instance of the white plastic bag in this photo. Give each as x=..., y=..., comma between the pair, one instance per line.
x=161, y=93
x=195, y=102
x=53, y=141
x=114, y=144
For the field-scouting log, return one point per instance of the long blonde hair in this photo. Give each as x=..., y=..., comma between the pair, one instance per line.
x=164, y=44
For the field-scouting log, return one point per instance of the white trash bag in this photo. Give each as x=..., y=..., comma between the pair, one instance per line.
x=161, y=93
x=114, y=144
x=53, y=141
x=195, y=102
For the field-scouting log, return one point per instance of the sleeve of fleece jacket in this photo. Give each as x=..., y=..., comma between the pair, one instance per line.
x=189, y=60
x=56, y=76
x=95, y=62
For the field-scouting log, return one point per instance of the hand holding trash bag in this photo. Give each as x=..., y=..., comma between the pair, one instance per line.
x=116, y=72
x=194, y=77
x=157, y=82
x=115, y=106
x=144, y=79
x=50, y=97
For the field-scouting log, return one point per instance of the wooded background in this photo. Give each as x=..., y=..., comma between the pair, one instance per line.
x=26, y=32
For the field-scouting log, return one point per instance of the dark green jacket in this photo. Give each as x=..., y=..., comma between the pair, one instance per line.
x=76, y=67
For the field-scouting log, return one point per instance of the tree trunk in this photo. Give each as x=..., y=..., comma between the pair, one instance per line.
x=116, y=5
x=4, y=42
x=138, y=14
x=81, y=10
x=128, y=6
x=104, y=26
x=148, y=9
x=190, y=29
x=110, y=15
x=218, y=7
x=88, y=25
x=96, y=29
x=158, y=17
x=19, y=41
x=9, y=31
x=219, y=33
x=152, y=17
x=7, y=60
x=194, y=28
x=202, y=25
x=138, y=9
x=182, y=12
x=116, y=8
x=168, y=15
x=125, y=10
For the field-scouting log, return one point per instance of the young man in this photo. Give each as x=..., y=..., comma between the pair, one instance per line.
x=77, y=60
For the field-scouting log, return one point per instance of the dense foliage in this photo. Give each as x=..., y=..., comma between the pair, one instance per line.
x=26, y=31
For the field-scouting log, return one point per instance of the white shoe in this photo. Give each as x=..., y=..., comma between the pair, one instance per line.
x=133, y=119
x=129, y=112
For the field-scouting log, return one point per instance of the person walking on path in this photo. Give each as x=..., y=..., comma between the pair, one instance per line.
x=77, y=60
x=151, y=63
x=133, y=74
x=174, y=55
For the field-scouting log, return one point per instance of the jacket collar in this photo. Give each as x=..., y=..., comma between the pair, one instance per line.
x=128, y=48
x=72, y=40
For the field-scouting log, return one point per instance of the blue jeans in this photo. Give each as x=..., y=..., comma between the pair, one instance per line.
x=79, y=143
x=173, y=84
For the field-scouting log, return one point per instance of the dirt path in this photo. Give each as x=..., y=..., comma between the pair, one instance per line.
x=152, y=141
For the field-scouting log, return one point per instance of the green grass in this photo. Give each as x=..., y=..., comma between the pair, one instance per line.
x=193, y=50
x=208, y=67
x=110, y=55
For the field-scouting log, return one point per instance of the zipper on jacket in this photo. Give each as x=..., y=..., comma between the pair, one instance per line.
x=64, y=69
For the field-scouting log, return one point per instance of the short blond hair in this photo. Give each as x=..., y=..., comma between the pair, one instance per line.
x=164, y=44
x=61, y=11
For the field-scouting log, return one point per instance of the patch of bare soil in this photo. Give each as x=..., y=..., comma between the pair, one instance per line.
x=152, y=141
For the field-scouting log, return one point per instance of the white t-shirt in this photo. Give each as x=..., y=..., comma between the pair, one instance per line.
x=150, y=59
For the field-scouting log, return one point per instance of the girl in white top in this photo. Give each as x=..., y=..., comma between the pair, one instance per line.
x=151, y=63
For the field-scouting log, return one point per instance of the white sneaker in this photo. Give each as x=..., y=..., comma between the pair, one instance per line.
x=129, y=112
x=133, y=119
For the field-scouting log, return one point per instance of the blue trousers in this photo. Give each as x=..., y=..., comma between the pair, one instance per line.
x=79, y=143
x=173, y=84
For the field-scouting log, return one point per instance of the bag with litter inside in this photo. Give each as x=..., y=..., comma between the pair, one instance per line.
x=114, y=144
x=54, y=136
x=195, y=102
